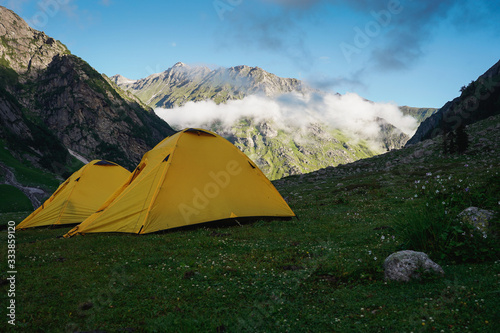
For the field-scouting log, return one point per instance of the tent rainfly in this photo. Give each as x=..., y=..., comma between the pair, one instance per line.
x=79, y=196
x=191, y=177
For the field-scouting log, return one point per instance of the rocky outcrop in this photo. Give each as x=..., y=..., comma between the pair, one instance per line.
x=25, y=50
x=27, y=139
x=92, y=118
x=121, y=80
x=429, y=128
x=391, y=136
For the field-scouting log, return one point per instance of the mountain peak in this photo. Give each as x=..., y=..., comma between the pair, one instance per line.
x=182, y=83
x=120, y=79
x=10, y=19
x=240, y=67
x=179, y=64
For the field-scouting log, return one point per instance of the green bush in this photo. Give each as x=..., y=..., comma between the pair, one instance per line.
x=423, y=228
x=430, y=224
x=438, y=234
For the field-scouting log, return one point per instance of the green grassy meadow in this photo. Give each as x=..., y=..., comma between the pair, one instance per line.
x=321, y=272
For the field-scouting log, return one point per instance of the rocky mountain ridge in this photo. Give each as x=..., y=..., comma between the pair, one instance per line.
x=52, y=101
x=479, y=100
x=25, y=50
x=183, y=83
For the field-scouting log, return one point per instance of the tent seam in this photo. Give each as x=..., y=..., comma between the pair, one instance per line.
x=160, y=182
x=69, y=196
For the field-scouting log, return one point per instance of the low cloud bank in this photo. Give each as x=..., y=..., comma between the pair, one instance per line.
x=348, y=112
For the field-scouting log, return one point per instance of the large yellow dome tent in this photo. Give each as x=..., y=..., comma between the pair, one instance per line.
x=191, y=177
x=79, y=196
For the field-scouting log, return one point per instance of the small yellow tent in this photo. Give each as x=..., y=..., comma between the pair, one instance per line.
x=193, y=176
x=79, y=196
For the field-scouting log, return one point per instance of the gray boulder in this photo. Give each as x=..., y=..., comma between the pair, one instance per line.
x=477, y=218
x=407, y=265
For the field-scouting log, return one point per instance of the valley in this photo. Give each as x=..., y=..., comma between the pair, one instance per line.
x=365, y=179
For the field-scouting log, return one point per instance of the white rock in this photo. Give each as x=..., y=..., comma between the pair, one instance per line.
x=407, y=265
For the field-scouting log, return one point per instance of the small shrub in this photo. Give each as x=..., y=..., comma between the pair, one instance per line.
x=433, y=231
x=424, y=229
x=468, y=244
x=431, y=224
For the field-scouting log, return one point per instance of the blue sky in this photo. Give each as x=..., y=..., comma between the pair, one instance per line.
x=409, y=52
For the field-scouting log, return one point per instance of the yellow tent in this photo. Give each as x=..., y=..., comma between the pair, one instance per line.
x=193, y=176
x=79, y=196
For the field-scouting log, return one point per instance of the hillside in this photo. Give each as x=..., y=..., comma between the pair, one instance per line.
x=418, y=113
x=283, y=152
x=479, y=100
x=324, y=270
x=53, y=102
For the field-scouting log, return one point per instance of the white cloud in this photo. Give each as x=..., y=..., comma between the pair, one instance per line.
x=348, y=112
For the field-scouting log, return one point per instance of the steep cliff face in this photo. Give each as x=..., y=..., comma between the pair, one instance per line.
x=478, y=100
x=44, y=87
x=91, y=118
x=182, y=83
